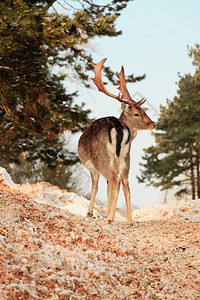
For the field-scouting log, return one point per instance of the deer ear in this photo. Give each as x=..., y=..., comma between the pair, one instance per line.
x=145, y=108
x=125, y=108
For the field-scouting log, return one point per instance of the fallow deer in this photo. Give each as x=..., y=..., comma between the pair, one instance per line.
x=104, y=148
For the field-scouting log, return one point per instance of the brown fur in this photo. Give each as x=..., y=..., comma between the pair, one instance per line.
x=97, y=151
x=104, y=148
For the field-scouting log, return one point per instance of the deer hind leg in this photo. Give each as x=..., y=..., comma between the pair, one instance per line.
x=113, y=188
x=95, y=179
x=109, y=195
x=126, y=190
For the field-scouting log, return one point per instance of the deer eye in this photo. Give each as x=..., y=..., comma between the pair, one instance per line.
x=136, y=115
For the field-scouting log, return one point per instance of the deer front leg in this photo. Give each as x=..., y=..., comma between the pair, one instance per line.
x=114, y=187
x=95, y=179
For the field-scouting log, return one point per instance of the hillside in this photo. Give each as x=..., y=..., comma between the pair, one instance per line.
x=49, y=253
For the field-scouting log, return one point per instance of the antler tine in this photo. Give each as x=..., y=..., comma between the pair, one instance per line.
x=125, y=96
x=140, y=102
x=98, y=80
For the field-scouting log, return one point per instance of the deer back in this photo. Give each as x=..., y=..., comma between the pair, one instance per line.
x=104, y=143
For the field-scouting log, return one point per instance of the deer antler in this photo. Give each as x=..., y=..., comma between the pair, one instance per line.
x=123, y=88
x=141, y=101
x=123, y=95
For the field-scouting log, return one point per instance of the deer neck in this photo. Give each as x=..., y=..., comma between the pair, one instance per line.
x=133, y=131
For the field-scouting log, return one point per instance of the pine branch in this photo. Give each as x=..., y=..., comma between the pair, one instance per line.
x=45, y=9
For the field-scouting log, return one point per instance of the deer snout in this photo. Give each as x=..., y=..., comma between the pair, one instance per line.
x=151, y=125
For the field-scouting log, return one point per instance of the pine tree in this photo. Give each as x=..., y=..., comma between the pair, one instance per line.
x=174, y=160
x=35, y=108
x=195, y=54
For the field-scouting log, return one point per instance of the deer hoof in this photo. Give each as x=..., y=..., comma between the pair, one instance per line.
x=90, y=214
x=130, y=220
x=130, y=223
x=109, y=221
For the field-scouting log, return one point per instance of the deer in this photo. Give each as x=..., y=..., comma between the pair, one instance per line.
x=104, y=147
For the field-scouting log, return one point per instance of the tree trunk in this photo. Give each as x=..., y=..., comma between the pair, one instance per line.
x=198, y=176
x=192, y=174
x=165, y=198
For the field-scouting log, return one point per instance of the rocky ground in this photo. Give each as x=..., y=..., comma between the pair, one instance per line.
x=49, y=253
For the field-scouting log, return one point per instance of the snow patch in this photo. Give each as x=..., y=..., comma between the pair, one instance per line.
x=6, y=179
x=46, y=193
x=177, y=210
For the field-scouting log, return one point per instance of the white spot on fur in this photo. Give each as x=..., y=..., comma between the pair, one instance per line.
x=125, y=137
x=112, y=146
x=122, y=165
x=123, y=152
x=114, y=160
x=134, y=134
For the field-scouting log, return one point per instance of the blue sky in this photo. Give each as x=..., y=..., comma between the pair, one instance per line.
x=154, y=41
